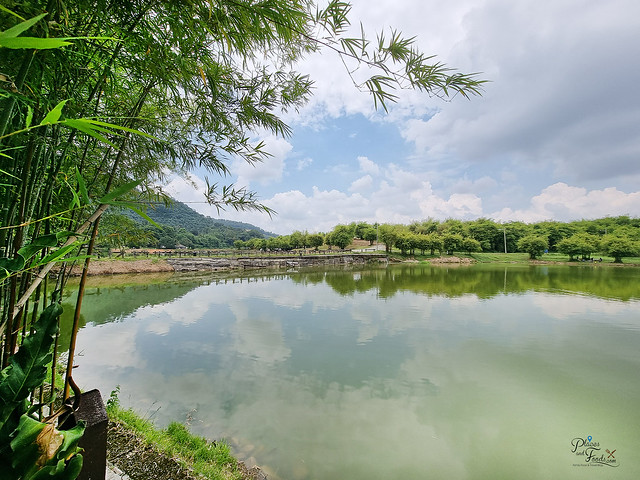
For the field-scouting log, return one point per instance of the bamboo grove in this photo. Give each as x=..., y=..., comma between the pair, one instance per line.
x=100, y=100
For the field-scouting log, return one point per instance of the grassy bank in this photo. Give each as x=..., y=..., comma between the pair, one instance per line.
x=522, y=258
x=175, y=452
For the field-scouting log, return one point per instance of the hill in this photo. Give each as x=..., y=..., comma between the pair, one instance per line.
x=180, y=215
x=180, y=224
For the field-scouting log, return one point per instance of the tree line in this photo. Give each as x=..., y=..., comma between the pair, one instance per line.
x=617, y=237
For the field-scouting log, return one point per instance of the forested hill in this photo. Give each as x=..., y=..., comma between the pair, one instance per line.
x=178, y=224
x=179, y=215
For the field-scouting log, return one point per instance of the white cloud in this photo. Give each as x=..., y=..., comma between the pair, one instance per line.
x=563, y=202
x=558, y=75
x=304, y=163
x=267, y=171
x=362, y=184
x=368, y=166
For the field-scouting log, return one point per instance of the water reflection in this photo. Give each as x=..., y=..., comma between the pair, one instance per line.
x=390, y=373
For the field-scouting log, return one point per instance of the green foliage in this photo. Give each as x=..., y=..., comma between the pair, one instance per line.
x=619, y=247
x=583, y=244
x=388, y=234
x=341, y=236
x=534, y=245
x=30, y=449
x=452, y=242
x=471, y=245
x=177, y=223
x=315, y=240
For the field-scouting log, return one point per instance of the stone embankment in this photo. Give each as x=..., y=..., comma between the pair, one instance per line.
x=246, y=263
x=213, y=264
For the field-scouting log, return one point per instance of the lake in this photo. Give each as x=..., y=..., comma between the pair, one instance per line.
x=416, y=372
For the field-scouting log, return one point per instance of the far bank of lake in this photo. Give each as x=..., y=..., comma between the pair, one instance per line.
x=186, y=261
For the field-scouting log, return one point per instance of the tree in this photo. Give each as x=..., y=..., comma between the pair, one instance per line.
x=554, y=232
x=433, y=243
x=404, y=242
x=315, y=240
x=578, y=244
x=486, y=232
x=534, y=245
x=388, y=234
x=619, y=247
x=297, y=239
x=370, y=235
x=452, y=242
x=471, y=245
x=341, y=236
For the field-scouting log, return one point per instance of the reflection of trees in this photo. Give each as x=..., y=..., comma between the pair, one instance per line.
x=348, y=282
x=486, y=281
x=107, y=304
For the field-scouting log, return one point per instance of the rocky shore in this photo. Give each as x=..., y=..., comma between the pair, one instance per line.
x=199, y=264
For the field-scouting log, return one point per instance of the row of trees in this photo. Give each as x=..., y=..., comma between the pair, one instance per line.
x=614, y=236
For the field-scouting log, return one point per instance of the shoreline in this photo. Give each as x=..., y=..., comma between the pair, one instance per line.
x=102, y=267
x=215, y=264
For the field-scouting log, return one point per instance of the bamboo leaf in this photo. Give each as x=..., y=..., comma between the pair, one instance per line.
x=5, y=9
x=82, y=187
x=119, y=127
x=140, y=212
x=57, y=254
x=29, y=116
x=54, y=115
x=85, y=127
x=75, y=201
x=21, y=27
x=33, y=42
x=64, y=234
x=126, y=188
x=50, y=240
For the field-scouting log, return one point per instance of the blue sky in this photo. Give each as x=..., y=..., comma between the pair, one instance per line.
x=556, y=134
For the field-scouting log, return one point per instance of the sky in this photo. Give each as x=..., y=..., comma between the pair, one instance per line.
x=554, y=136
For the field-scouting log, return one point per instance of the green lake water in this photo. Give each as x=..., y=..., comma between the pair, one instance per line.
x=414, y=372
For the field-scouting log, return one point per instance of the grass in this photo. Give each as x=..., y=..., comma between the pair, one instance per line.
x=523, y=258
x=212, y=460
x=500, y=257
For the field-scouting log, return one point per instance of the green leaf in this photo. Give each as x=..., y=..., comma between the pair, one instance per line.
x=75, y=201
x=13, y=264
x=50, y=240
x=126, y=188
x=38, y=244
x=120, y=127
x=27, y=369
x=85, y=127
x=29, y=116
x=141, y=213
x=33, y=42
x=5, y=9
x=82, y=187
x=40, y=451
x=57, y=254
x=21, y=27
x=54, y=115
x=64, y=234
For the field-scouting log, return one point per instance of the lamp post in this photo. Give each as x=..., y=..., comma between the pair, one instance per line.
x=504, y=232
